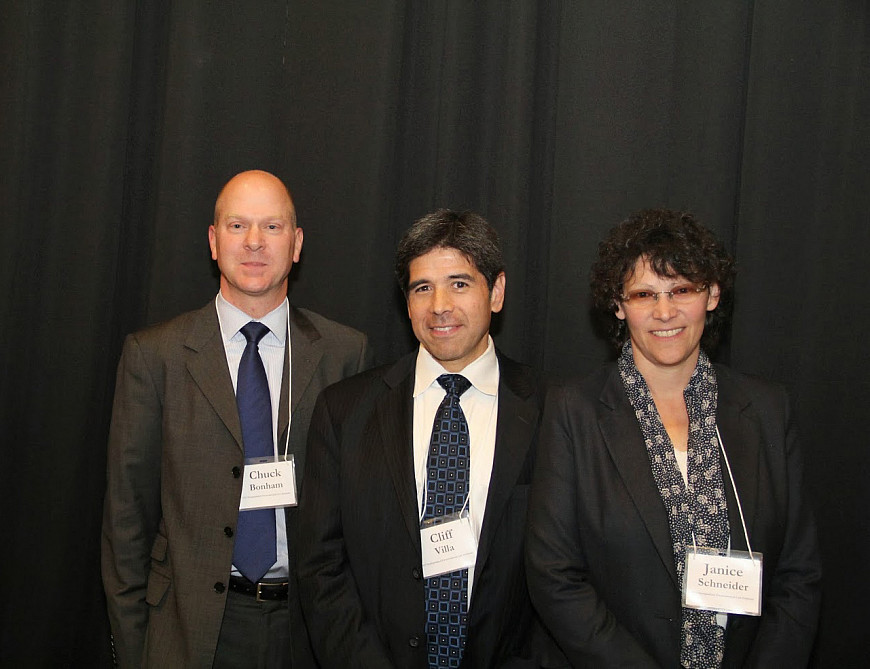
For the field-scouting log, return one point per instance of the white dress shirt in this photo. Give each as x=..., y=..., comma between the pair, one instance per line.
x=480, y=405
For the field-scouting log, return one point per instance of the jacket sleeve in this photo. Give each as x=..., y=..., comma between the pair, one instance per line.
x=131, y=511
x=340, y=632
x=559, y=581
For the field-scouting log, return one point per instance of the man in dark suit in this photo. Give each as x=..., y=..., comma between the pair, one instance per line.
x=373, y=593
x=173, y=539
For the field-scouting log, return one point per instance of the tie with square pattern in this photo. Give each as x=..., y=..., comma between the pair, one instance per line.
x=447, y=482
x=254, y=551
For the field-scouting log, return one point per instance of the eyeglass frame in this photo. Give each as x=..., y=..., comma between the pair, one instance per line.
x=626, y=299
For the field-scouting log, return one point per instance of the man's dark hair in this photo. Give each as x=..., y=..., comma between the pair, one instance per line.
x=467, y=232
x=674, y=244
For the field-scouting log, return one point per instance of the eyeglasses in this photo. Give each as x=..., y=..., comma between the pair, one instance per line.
x=685, y=293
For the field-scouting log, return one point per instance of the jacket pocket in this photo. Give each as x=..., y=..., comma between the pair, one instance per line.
x=158, y=584
x=158, y=577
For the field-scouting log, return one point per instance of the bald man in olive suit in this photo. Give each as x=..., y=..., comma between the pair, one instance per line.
x=175, y=594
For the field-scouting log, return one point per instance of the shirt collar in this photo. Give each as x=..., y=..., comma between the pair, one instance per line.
x=232, y=319
x=482, y=372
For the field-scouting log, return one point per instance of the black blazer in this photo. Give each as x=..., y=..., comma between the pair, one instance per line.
x=360, y=574
x=599, y=556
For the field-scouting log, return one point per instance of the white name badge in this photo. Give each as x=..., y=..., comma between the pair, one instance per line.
x=447, y=544
x=725, y=583
x=269, y=484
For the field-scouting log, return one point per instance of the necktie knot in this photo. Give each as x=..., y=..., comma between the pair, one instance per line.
x=454, y=384
x=254, y=332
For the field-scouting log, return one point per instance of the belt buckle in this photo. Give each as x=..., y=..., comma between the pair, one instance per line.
x=260, y=599
x=264, y=587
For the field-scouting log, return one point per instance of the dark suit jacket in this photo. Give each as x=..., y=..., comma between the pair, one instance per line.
x=174, y=460
x=599, y=555
x=360, y=574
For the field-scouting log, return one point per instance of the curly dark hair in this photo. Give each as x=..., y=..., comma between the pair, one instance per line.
x=467, y=232
x=674, y=244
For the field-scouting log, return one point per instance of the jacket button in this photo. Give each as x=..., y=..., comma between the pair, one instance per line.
x=219, y=587
x=416, y=573
x=414, y=641
x=228, y=531
x=236, y=472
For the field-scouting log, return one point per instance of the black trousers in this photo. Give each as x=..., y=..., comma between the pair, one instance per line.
x=254, y=635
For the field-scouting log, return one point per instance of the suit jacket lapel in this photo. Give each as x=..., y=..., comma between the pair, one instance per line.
x=207, y=364
x=624, y=441
x=516, y=429
x=741, y=438
x=394, y=415
x=306, y=351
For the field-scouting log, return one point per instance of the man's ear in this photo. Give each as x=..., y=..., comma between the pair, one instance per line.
x=212, y=241
x=496, y=295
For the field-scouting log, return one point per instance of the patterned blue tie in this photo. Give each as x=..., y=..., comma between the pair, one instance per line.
x=254, y=551
x=447, y=483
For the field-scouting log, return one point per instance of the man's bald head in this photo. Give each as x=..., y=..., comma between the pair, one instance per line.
x=255, y=241
x=253, y=181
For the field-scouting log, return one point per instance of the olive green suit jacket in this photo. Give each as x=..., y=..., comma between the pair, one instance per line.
x=174, y=458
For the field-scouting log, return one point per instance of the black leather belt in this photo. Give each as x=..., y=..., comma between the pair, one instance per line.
x=263, y=591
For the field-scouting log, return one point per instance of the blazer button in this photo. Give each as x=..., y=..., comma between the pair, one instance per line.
x=414, y=641
x=219, y=587
x=228, y=531
x=236, y=472
x=416, y=573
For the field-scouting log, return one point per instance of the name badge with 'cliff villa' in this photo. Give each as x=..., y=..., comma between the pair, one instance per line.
x=729, y=583
x=447, y=544
x=268, y=484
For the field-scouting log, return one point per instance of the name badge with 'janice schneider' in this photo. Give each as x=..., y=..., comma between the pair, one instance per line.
x=447, y=544
x=728, y=583
x=269, y=484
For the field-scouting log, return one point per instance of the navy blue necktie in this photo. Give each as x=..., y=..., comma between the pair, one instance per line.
x=447, y=483
x=254, y=551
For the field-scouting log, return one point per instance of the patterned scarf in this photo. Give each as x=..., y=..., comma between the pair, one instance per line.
x=699, y=508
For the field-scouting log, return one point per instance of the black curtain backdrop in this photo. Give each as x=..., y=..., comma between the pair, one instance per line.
x=119, y=121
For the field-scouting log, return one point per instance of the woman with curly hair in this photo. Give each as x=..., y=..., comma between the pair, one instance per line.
x=667, y=523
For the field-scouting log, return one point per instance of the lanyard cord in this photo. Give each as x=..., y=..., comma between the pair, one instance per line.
x=489, y=428
x=736, y=495
x=289, y=386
